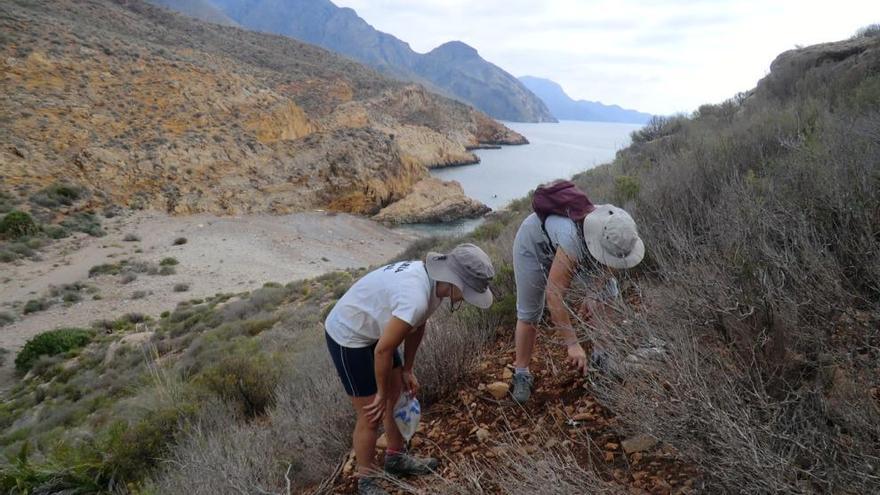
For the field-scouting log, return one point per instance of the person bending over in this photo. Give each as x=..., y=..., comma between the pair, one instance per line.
x=386, y=308
x=546, y=256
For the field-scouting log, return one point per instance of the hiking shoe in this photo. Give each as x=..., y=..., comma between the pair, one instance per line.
x=404, y=464
x=522, y=387
x=368, y=486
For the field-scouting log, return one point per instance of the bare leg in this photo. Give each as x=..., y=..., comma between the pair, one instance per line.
x=392, y=433
x=526, y=334
x=364, y=437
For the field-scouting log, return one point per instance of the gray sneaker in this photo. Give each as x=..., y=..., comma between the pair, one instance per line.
x=522, y=387
x=404, y=464
x=368, y=486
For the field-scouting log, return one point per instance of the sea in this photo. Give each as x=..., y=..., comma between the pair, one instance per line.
x=556, y=151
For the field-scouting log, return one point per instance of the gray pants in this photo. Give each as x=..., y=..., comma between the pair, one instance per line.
x=532, y=258
x=530, y=273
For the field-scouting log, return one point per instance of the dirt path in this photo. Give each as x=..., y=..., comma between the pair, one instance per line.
x=222, y=254
x=562, y=417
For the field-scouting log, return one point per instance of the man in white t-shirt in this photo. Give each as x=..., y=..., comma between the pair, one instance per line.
x=386, y=308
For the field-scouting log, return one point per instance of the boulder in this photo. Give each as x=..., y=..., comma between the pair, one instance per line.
x=432, y=201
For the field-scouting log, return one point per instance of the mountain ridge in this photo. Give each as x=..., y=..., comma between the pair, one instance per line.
x=481, y=83
x=566, y=108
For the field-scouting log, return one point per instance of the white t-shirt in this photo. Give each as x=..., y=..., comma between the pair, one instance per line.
x=401, y=289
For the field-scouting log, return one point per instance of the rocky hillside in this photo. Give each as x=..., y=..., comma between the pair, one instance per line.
x=454, y=69
x=149, y=108
x=566, y=108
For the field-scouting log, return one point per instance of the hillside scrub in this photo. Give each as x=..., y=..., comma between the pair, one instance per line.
x=751, y=348
x=49, y=344
x=27, y=227
x=761, y=215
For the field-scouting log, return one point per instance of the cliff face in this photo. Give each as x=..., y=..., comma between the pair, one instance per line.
x=145, y=107
x=454, y=69
x=432, y=201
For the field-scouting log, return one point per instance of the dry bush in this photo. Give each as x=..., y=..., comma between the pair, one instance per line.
x=519, y=468
x=301, y=440
x=759, y=314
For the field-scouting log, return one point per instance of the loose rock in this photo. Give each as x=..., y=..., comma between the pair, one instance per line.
x=498, y=389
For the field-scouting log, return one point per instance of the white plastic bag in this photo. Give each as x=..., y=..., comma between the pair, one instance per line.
x=407, y=413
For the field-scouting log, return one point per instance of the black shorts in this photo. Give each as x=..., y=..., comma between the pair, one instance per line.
x=355, y=367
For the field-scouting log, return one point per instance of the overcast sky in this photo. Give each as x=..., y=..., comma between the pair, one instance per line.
x=657, y=56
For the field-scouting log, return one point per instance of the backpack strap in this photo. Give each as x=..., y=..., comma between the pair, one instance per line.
x=579, y=226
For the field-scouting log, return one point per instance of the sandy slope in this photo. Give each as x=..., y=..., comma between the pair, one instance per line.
x=222, y=254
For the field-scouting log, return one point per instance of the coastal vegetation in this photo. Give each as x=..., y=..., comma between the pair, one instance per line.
x=758, y=299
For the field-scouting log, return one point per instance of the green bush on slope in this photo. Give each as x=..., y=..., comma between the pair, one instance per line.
x=18, y=224
x=49, y=344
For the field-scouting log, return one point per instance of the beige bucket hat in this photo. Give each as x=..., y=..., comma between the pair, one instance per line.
x=612, y=237
x=468, y=268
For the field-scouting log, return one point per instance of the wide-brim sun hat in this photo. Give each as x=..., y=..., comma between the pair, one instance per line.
x=466, y=267
x=612, y=237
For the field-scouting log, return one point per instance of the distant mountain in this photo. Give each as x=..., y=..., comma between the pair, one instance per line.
x=565, y=108
x=453, y=69
x=200, y=9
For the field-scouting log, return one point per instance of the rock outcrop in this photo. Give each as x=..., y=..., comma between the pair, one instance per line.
x=148, y=108
x=432, y=200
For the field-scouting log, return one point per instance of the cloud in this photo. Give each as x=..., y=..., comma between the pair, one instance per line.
x=658, y=56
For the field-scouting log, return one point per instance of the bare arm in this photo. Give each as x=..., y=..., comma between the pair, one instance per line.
x=558, y=282
x=410, y=346
x=393, y=335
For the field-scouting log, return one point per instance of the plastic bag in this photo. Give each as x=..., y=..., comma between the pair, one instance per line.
x=407, y=413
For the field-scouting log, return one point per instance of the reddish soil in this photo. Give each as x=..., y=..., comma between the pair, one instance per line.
x=562, y=415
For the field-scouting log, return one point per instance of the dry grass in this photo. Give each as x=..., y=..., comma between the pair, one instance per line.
x=760, y=287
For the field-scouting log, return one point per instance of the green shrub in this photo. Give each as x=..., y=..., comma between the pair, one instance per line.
x=72, y=297
x=35, y=305
x=180, y=241
x=626, y=188
x=181, y=287
x=56, y=231
x=58, y=195
x=7, y=202
x=104, y=269
x=6, y=318
x=86, y=223
x=3, y=353
x=17, y=224
x=658, y=127
x=132, y=451
x=168, y=262
x=131, y=238
x=49, y=344
x=245, y=379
